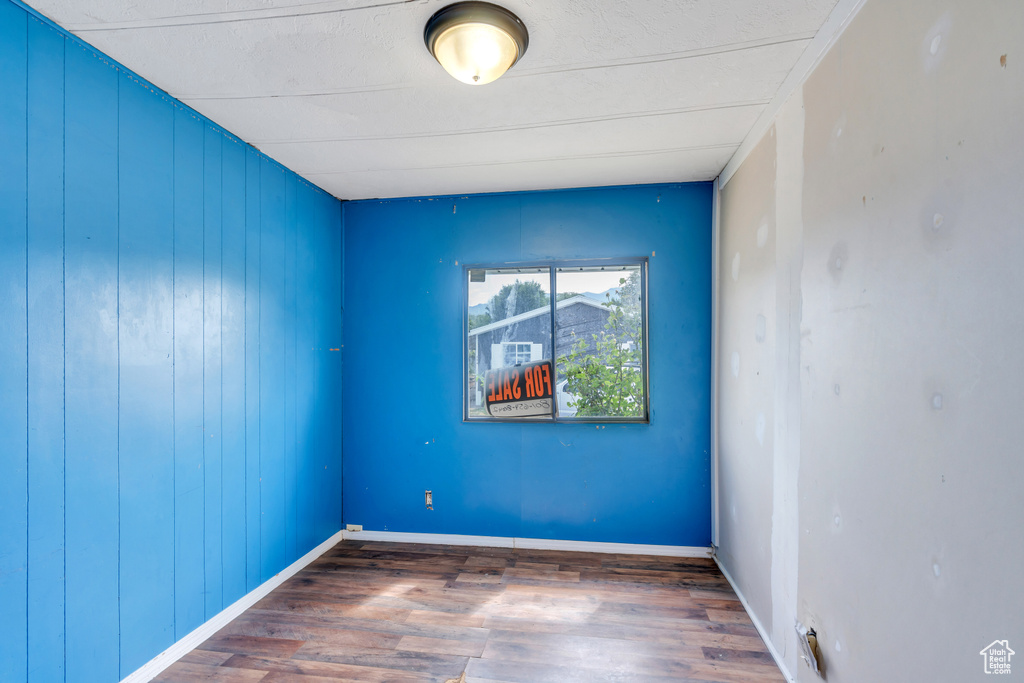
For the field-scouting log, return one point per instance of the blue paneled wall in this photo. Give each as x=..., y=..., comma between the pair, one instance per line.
x=170, y=366
x=403, y=376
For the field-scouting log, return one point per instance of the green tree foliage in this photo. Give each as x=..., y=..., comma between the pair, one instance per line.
x=479, y=320
x=608, y=382
x=517, y=298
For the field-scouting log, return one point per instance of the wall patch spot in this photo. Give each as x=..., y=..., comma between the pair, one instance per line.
x=936, y=569
x=934, y=46
x=836, y=520
x=936, y=401
x=736, y=267
x=735, y=363
x=760, y=328
x=1002, y=61
x=836, y=260
x=939, y=215
x=836, y=389
x=839, y=648
x=759, y=429
x=762, y=235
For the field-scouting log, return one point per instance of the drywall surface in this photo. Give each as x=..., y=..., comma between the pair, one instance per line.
x=789, y=177
x=169, y=427
x=404, y=434
x=746, y=374
x=906, y=456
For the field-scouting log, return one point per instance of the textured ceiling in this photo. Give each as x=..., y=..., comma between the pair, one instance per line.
x=344, y=92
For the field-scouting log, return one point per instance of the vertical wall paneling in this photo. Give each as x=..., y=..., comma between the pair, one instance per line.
x=212, y=433
x=338, y=214
x=321, y=386
x=335, y=211
x=305, y=437
x=272, y=385
x=334, y=268
x=145, y=341
x=91, y=357
x=233, y=368
x=291, y=499
x=158, y=417
x=189, y=570
x=13, y=342
x=253, y=519
x=45, y=181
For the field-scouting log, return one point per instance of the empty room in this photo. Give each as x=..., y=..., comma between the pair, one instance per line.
x=429, y=341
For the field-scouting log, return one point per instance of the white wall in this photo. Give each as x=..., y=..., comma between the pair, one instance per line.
x=883, y=502
x=746, y=368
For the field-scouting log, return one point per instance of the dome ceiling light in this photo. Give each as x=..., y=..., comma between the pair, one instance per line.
x=476, y=42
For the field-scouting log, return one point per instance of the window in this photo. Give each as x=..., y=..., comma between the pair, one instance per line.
x=516, y=353
x=579, y=355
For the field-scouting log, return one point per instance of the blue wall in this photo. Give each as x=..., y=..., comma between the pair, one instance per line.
x=169, y=401
x=403, y=348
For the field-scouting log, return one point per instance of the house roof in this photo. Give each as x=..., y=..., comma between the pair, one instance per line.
x=578, y=299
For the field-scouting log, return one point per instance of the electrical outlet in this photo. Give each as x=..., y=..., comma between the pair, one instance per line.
x=428, y=499
x=353, y=527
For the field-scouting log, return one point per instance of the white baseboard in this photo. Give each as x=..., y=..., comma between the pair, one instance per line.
x=757, y=624
x=529, y=543
x=613, y=548
x=430, y=539
x=153, y=667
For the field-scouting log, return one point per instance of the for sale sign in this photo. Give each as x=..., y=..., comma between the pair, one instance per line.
x=520, y=391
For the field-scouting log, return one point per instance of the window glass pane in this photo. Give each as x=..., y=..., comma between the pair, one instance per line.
x=599, y=342
x=509, y=343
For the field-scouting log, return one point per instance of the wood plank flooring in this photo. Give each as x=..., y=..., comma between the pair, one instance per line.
x=405, y=613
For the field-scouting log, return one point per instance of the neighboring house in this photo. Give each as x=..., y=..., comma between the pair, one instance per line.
x=526, y=337
x=997, y=657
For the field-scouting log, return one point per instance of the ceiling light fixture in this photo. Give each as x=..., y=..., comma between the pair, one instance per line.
x=476, y=42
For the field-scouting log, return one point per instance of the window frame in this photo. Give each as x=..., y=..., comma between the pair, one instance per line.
x=553, y=266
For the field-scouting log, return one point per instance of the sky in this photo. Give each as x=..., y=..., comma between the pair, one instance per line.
x=481, y=292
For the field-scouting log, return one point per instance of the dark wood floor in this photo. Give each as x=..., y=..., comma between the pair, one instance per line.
x=402, y=612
